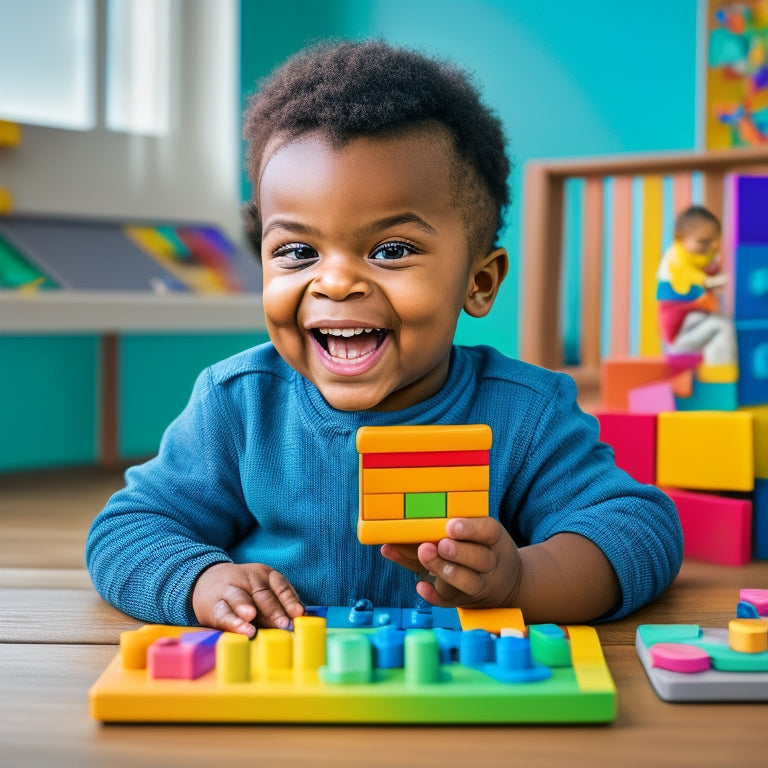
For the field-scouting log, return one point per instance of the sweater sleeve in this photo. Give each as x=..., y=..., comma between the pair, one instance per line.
x=570, y=483
x=177, y=515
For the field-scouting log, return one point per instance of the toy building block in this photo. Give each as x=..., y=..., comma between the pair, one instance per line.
x=618, y=376
x=709, y=396
x=751, y=283
x=633, y=439
x=757, y=598
x=10, y=134
x=414, y=478
x=759, y=415
x=6, y=201
x=760, y=520
x=374, y=674
x=716, y=529
x=752, y=336
x=685, y=662
x=652, y=398
x=723, y=373
x=750, y=202
x=705, y=450
x=185, y=658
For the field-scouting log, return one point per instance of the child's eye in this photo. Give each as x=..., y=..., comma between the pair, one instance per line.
x=392, y=251
x=295, y=252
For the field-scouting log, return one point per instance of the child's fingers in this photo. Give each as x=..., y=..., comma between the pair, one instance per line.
x=234, y=612
x=476, y=557
x=402, y=554
x=482, y=530
x=286, y=594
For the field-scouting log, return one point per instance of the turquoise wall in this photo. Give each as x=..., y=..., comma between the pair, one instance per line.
x=566, y=78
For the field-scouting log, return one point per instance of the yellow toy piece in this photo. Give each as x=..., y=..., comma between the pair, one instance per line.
x=491, y=619
x=705, y=450
x=748, y=635
x=430, y=437
x=759, y=414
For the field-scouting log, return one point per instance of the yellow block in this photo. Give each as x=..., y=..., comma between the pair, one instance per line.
x=134, y=643
x=383, y=506
x=748, y=635
x=233, y=658
x=760, y=415
x=491, y=619
x=430, y=437
x=707, y=450
x=727, y=373
x=6, y=201
x=10, y=134
x=274, y=654
x=424, y=479
x=411, y=531
x=467, y=503
x=309, y=634
x=588, y=660
x=652, y=248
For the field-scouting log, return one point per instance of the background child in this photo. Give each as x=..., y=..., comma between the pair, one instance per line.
x=379, y=184
x=690, y=318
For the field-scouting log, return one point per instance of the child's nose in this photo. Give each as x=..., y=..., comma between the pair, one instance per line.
x=339, y=278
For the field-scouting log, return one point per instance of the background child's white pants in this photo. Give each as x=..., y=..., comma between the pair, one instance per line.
x=712, y=335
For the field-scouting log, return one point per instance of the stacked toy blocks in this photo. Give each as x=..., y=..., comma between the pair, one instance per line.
x=701, y=431
x=414, y=478
x=362, y=664
x=685, y=662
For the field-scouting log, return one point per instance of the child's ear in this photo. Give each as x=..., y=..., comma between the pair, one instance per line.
x=487, y=276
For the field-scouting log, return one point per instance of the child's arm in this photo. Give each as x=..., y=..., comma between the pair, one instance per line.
x=564, y=579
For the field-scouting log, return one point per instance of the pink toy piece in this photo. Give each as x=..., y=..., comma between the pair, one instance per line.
x=657, y=397
x=679, y=363
x=757, y=597
x=678, y=657
x=633, y=439
x=185, y=658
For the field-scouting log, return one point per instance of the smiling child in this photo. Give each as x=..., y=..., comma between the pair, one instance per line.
x=379, y=185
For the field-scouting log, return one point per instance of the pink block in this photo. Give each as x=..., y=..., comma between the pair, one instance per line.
x=678, y=657
x=652, y=398
x=680, y=363
x=185, y=658
x=715, y=529
x=633, y=439
x=758, y=598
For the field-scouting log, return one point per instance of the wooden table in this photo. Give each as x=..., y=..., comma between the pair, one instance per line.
x=55, y=641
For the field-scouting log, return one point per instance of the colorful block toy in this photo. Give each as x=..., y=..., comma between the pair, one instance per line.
x=685, y=662
x=633, y=439
x=362, y=664
x=414, y=478
x=705, y=450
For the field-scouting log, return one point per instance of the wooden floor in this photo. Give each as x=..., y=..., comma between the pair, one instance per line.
x=45, y=516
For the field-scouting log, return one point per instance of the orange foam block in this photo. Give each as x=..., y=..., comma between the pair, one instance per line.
x=715, y=529
x=619, y=376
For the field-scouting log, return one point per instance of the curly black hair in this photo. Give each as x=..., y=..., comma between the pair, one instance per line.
x=350, y=89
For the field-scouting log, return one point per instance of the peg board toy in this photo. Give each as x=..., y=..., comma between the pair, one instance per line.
x=414, y=478
x=362, y=665
x=685, y=662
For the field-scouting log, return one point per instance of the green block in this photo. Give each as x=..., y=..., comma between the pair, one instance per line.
x=549, y=645
x=420, y=505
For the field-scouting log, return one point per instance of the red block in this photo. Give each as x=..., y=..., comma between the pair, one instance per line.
x=426, y=459
x=633, y=439
x=716, y=529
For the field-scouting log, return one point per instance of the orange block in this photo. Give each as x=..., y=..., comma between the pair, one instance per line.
x=467, y=503
x=430, y=437
x=618, y=376
x=411, y=531
x=383, y=506
x=424, y=479
x=491, y=619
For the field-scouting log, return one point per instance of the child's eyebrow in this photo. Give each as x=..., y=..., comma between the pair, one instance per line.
x=298, y=228
x=396, y=220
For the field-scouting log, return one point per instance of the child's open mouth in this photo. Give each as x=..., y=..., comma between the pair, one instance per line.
x=350, y=343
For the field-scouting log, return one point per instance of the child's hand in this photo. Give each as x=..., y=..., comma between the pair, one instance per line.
x=715, y=281
x=477, y=565
x=235, y=597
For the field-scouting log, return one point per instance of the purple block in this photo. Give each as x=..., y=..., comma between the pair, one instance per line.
x=185, y=658
x=751, y=210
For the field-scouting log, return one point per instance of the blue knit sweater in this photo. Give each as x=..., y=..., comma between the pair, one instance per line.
x=259, y=468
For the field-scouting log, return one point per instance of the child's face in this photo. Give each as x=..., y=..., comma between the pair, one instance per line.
x=702, y=238
x=367, y=266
